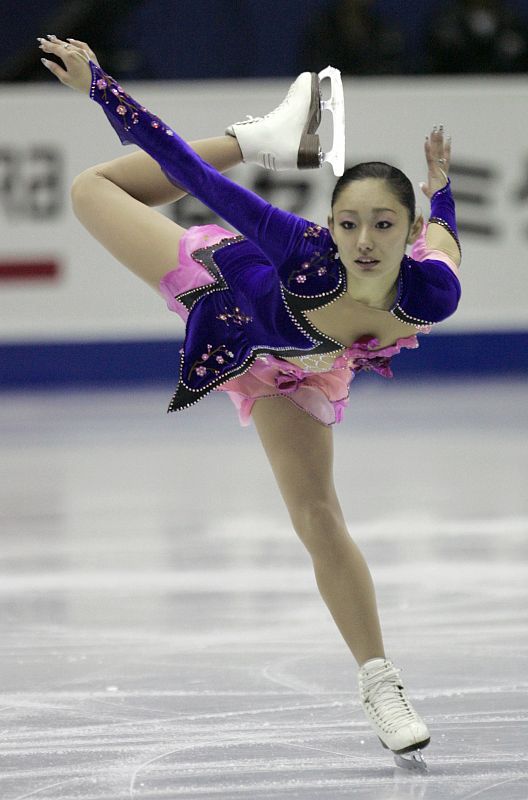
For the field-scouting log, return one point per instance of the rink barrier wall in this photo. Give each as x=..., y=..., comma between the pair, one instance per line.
x=58, y=284
x=111, y=363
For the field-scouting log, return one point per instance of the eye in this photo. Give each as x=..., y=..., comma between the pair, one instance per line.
x=347, y=225
x=384, y=224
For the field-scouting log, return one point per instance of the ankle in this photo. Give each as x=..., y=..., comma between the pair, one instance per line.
x=376, y=660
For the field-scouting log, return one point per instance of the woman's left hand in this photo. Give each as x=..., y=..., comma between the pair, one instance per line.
x=438, y=157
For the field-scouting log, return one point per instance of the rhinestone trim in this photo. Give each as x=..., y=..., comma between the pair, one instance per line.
x=448, y=228
x=403, y=316
x=236, y=372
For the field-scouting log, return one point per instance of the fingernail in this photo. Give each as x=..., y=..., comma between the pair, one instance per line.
x=45, y=61
x=51, y=36
x=68, y=39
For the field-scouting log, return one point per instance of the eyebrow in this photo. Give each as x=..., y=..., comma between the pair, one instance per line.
x=353, y=211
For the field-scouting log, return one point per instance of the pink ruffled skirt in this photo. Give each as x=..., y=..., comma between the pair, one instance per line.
x=323, y=395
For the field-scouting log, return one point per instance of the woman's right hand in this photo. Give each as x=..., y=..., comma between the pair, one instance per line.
x=75, y=55
x=438, y=157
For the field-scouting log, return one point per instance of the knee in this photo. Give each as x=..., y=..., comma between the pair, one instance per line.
x=82, y=190
x=320, y=526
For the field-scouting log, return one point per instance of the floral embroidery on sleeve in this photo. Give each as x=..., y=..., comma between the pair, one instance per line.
x=237, y=316
x=127, y=108
x=312, y=230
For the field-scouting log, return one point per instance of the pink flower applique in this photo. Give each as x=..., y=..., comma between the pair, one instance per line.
x=210, y=362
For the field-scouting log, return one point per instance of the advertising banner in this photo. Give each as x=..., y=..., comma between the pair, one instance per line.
x=59, y=284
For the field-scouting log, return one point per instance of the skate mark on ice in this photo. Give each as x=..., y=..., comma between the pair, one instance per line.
x=289, y=681
x=44, y=789
x=159, y=757
x=492, y=786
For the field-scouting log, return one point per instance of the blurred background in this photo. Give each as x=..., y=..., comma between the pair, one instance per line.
x=193, y=39
x=203, y=64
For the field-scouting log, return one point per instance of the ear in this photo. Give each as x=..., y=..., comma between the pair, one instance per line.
x=416, y=229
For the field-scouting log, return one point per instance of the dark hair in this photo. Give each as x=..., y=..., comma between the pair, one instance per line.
x=399, y=183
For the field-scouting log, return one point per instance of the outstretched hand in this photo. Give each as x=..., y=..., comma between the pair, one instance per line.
x=75, y=56
x=438, y=157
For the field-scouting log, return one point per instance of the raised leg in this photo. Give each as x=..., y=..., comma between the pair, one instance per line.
x=113, y=201
x=300, y=452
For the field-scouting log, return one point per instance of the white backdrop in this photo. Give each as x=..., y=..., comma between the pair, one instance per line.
x=48, y=135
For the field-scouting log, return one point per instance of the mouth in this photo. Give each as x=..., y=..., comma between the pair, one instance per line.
x=366, y=263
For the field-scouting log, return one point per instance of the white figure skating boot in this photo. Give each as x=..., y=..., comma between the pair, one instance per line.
x=286, y=138
x=391, y=714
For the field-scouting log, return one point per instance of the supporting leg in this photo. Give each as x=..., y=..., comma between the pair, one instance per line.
x=300, y=451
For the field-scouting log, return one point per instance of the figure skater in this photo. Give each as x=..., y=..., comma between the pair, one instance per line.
x=283, y=315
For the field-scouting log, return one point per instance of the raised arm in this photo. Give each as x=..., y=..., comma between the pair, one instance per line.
x=441, y=235
x=277, y=233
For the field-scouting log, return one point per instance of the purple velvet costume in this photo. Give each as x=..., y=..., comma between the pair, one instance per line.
x=262, y=280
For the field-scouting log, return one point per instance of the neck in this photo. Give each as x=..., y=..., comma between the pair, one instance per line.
x=379, y=294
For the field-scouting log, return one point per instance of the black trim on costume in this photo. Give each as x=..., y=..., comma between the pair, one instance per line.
x=402, y=315
x=448, y=228
x=185, y=397
x=204, y=256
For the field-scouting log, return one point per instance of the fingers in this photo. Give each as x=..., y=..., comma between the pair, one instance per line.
x=56, y=48
x=438, y=149
x=82, y=45
x=61, y=48
x=53, y=67
x=76, y=72
x=84, y=48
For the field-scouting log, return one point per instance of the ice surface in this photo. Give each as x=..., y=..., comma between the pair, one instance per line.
x=162, y=635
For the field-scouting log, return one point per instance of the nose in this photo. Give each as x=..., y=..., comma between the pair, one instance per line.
x=365, y=240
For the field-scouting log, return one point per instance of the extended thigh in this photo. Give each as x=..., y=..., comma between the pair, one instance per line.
x=144, y=240
x=301, y=454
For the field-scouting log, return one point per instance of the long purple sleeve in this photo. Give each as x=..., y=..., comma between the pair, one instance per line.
x=277, y=233
x=443, y=211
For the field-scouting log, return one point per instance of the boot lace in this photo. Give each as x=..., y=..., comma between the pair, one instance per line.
x=384, y=692
x=248, y=120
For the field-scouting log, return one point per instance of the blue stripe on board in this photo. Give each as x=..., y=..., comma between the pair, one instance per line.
x=143, y=362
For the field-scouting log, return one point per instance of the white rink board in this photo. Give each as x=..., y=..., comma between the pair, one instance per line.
x=96, y=298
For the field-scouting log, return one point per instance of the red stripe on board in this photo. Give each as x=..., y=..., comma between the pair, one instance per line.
x=28, y=270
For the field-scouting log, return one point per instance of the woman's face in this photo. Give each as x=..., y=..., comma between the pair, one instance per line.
x=371, y=229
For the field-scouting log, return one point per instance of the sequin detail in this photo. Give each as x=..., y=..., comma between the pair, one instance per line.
x=237, y=316
x=312, y=231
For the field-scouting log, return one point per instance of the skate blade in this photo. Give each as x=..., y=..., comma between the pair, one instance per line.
x=309, y=154
x=336, y=105
x=413, y=760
